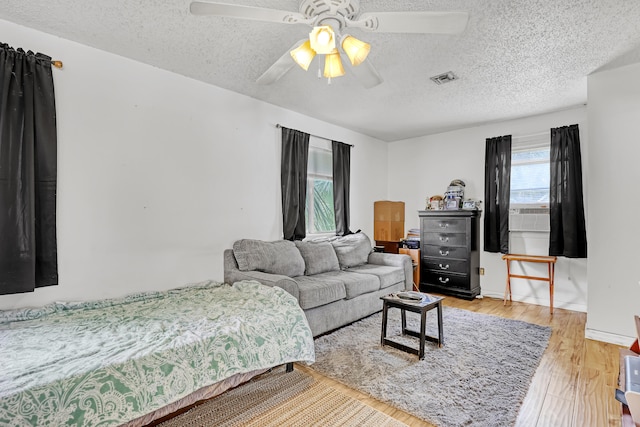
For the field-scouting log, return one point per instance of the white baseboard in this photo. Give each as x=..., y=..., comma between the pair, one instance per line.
x=591, y=334
x=596, y=335
x=556, y=304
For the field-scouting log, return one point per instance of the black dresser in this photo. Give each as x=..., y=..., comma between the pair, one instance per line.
x=450, y=257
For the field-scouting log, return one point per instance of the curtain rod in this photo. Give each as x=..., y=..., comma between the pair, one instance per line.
x=54, y=62
x=278, y=125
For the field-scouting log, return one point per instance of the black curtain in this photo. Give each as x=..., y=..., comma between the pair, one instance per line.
x=341, y=185
x=497, y=186
x=293, y=178
x=28, y=171
x=568, y=234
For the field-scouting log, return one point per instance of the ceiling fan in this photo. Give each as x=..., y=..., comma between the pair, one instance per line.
x=329, y=19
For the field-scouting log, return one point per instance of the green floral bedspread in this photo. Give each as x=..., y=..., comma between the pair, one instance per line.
x=108, y=362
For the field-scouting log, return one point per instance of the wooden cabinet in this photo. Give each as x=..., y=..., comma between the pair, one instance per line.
x=450, y=257
x=388, y=221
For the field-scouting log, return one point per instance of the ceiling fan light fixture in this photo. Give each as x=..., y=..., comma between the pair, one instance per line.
x=326, y=15
x=303, y=55
x=323, y=39
x=356, y=50
x=333, y=65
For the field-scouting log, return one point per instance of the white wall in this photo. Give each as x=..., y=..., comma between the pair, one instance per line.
x=424, y=166
x=158, y=173
x=614, y=176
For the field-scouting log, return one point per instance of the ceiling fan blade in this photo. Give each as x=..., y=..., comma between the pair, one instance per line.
x=280, y=67
x=412, y=22
x=366, y=73
x=247, y=12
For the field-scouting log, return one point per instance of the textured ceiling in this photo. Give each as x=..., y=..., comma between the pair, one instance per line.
x=516, y=57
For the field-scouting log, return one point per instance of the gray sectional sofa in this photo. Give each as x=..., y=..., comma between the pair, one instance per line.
x=336, y=281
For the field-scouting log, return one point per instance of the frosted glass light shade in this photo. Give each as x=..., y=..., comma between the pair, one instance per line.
x=333, y=65
x=323, y=39
x=356, y=50
x=303, y=55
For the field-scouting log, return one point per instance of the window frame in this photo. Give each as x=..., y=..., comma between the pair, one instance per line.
x=525, y=144
x=324, y=145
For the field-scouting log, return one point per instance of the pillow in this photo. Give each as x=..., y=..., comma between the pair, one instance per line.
x=319, y=257
x=352, y=249
x=279, y=257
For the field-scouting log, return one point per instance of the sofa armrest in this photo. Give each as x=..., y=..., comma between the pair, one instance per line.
x=232, y=274
x=397, y=260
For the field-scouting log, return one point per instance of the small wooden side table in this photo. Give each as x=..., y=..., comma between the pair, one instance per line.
x=549, y=260
x=391, y=301
x=415, y=258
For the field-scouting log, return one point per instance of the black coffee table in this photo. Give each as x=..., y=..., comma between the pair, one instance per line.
x=421, y=307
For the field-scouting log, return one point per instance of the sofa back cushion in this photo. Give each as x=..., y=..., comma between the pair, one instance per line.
x=352, y=249
x=279, y=257
x=319, y=257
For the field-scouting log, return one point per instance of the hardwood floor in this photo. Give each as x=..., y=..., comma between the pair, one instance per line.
x=573, y=386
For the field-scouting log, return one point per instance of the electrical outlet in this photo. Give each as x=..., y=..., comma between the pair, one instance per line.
x=482, y=271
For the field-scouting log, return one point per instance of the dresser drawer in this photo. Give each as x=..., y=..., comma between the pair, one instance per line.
x=451, y=225
x=445, y=265
x=447, y=279
x=444, y=239
x=445, y=251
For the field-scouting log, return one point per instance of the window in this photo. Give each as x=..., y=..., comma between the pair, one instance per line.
x=530, y=172
x=320, y=215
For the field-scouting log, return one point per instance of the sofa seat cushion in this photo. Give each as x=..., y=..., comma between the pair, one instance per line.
x=354, y=283
x=388, y=275
x=316, y=291
x=279, y=257
x=319, y=257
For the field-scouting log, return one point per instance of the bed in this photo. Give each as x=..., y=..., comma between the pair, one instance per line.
x=132, y=360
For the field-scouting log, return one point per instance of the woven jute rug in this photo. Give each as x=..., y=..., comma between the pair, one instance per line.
x=278, y=399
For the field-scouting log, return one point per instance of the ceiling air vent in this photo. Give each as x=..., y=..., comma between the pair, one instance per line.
x=444, y=78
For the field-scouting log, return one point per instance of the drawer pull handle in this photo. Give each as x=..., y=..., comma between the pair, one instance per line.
x=445, y=225
x=444, y=239
x=443, y=267
x=445, y=280
x=444, y=253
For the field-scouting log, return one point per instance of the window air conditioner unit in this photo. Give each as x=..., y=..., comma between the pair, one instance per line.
x=529, y=219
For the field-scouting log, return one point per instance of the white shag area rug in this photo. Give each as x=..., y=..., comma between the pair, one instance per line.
x=479, y=377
